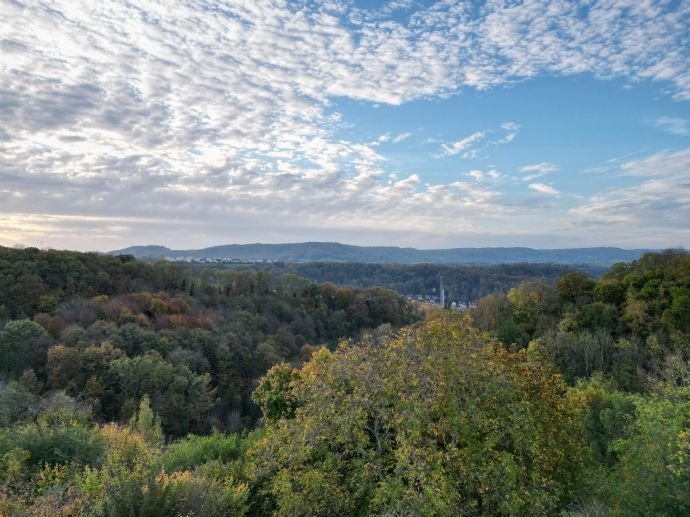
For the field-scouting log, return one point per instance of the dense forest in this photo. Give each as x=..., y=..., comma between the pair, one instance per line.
x=631, y=324
x=134, y=389
x=463, y=284
x=111, y=329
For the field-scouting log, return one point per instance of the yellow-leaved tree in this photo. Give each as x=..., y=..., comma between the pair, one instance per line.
x=434, y=420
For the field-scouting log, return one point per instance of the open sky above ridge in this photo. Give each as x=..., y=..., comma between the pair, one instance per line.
x=429, y=124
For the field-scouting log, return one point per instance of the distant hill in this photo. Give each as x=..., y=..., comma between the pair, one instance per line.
x=336, y=252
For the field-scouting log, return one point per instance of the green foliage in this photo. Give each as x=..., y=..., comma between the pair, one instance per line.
x=653, y=471
x=463, y=283
x=534, y=306
x=624, y=325
x=577, y=355
x=575, y=287
x=120, y=358
x=58, y=434
x=118, y=329
x=431, y=421
x=610, y=291
x=180, y=397
x=146, y=422
x=33, y=281
x=595, y=316
x=23, y=344
x=17, y=404
x=207, y=490
x=275, y=392
x=43, y=443
x=606, y=415
x=195, y=450
x=678, y=314
x=139, y=494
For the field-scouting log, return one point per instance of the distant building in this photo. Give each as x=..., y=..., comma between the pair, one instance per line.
x=442, y=293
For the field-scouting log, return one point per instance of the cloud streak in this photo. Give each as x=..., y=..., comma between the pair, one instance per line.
x=462, y=144
x=658, y=205
x=673, y=125
x=543, y=189
x=537, y=170
x=469, y=147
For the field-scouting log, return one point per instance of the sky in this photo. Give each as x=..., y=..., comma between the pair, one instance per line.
x=433, y=124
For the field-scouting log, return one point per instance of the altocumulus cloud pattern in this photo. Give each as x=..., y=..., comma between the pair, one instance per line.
x=221, y=119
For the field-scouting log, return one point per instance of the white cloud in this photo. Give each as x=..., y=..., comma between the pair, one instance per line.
x=468, y=145
x=387, y=137
x=511, y=129
x=217, y=113
x=463, y=144
x=476, y=174
x=664, y=163
x=658, y=206
x=537, y=170
x=544, y=167
x=673, y=125
x=400, y=137
x=480, y=176
x=543, y=189
x=655, y=205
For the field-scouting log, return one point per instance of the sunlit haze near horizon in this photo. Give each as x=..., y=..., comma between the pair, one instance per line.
x=410, y=123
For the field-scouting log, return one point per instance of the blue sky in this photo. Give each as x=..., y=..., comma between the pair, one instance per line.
x=577, y=122
x=426, y=124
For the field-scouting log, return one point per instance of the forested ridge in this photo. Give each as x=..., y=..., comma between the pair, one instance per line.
x=135, y=389
x=462, y=283
x=337, y=252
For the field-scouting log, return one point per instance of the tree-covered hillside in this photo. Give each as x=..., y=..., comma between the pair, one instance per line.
x=570, y=398
x=632, y=323
x=337, y=252
x=463, y=284
x=112, y=329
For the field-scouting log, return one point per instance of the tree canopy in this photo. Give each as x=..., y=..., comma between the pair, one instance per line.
x=433, y=420
x=150, y=390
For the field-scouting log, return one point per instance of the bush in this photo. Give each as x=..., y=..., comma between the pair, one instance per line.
x=17, y=404
x=52, y=444
x=197, y=450
x=210, y=490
